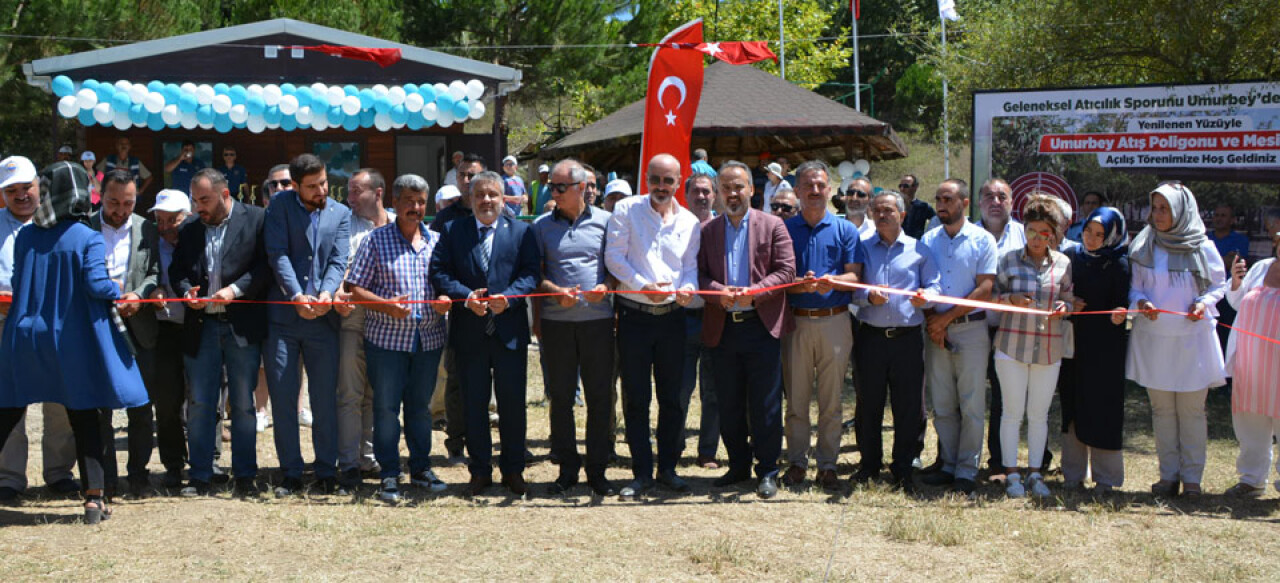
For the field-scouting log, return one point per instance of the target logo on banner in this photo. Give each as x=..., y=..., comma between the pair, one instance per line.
x=1045, y=182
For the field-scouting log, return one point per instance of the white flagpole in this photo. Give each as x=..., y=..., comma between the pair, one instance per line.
x=946, y=134
x=857, y=78
x=782, y=41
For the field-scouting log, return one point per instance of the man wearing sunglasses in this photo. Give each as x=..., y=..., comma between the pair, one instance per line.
x=784, y=204
x=918, y=211
x=653, y=249
x=235, y=173
x=278, y=180
x=856, y=200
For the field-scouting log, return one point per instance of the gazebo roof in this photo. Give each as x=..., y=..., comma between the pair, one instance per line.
x=241, y=52
x=744, y=111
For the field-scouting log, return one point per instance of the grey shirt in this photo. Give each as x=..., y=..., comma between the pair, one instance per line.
x=573, y=254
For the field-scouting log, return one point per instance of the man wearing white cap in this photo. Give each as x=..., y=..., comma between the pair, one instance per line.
x=64, y=154
x=22, y=198
x=540, y=187
x=775, y=176
x=451, y=177
x=445, y=196
x=514, y=194
x=169, y=383
x=615, y=191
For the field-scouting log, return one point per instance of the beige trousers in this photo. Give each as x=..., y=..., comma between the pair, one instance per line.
x=1182, y=433
x=815, y=355
x=1079, y=461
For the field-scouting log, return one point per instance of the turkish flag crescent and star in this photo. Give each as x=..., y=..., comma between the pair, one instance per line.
x=675, y=86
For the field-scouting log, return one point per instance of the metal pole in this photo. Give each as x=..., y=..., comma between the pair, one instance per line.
x=782, y=41
x=946, y=133
x=857, y=77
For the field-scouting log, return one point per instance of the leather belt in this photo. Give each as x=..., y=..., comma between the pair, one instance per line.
x=652, y=310
x=740, y=317
x=973, y=316
x=894, y=332
x=216, y=316
x=819, y=312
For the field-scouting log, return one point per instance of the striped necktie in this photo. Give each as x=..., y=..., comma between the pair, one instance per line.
x=490, y=326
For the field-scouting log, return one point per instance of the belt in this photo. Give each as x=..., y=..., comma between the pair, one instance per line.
x=973, y=316
x=652, y=310
x=894, y=332
x=739, y=317
x=217, y=317
x=819, y=312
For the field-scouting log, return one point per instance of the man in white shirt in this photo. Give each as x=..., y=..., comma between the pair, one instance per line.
x=653, y=248
x=22, y=198
x=451, y=177
x=856, y=199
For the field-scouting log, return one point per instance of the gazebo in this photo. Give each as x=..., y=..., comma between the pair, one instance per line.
x=744, y=111
x=228, y=87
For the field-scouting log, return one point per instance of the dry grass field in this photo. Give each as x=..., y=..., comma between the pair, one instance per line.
x=710, y=534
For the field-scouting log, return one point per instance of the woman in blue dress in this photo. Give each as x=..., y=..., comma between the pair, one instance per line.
x=62, y=342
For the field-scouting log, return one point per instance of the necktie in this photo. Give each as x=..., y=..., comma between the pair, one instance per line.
x=490, y=326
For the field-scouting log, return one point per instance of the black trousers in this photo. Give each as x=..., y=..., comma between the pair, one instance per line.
x=86, y=426
x=571, y=350
x=748, y=369
x=489, y=368
x=455, y=412
x=163, y=374
x=890, y=367
x=652, y=346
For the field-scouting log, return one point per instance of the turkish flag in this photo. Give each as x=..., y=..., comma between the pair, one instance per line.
x=739, y=53
x=383, y=57
x=675, y=86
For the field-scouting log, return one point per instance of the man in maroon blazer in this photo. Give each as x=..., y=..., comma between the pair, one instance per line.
x=742, y=251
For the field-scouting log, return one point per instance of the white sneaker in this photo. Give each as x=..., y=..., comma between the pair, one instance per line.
x=427, y=479
x=1015, y=489
x=1038, y=488
x=263, y=422
x=390, y=491
x=304, y=418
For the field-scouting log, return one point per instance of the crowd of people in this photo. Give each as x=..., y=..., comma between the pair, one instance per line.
x=754, y=292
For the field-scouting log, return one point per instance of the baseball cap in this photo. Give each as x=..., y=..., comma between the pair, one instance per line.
x=619, y=186
x=543, y=168
x=447, y=192
x=511, y=159
x=66, y=150
x=171, y=201
x=775, y=169
x=16, y=170
x=88, y=156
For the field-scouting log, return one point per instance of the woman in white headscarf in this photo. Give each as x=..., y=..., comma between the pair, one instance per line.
x=1176, y=358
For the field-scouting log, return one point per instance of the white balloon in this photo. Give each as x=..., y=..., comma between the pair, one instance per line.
x=414, y=102
x=477, y=109
x=102, y=113
x=320, y=123
x=123, y=85
x=336, y=96
x=86, y=99
x=457, y=90
x=319, y=89
x=170, y=114
x=862, y=167
x=238, y=114
x=475, y=89
x=396, y=95
x=206, y=126
x=271, y=94
x=138, y=93
x=68, y=107
x=221, y=103
x=382, y=121
x=204, y=94
x=189, y=121
x=845, y=169
x=153, y=103
x=351, y=105
x=121, y=120
x=445, y=118
x=440, y=88
x=430, y=111
x=273, y=126
x=397, y=126
x=256, y=124
x=254, y=90
x=289, y=105
x=188, y=87
x=379, y=89
x=303, y=114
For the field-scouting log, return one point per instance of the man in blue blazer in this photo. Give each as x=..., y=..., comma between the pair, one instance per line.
x=307, y=239
x=483, y=260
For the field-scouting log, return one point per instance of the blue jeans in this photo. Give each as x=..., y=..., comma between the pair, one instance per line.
x=401, y=377
x=316, y=341
x=219, y=351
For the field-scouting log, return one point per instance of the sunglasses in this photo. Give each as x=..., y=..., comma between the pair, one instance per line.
x=858, y=193
x=561, y=187
x=781, y=207
x=228, y=154
x=282, y=183
x=905, y=185
x=663, y=180
x=1044, y=235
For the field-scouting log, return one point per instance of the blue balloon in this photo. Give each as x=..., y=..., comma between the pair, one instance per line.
x=366, y=98
x=444, y=102
x=86, y=118
x=242, y=124
x=351, y=123
x=255, y=105
x=428, y=123
x=410, y=88
x=205, y=114
x=381, y=104
x=105, y=92
x=187, y=102
x=155, y=123
x=335, y=116
x=89, y=84
x=120, y=101
x=272, y=115
x=350, y=90
x=461, y=110
x=238, y=95
x=223, y=123
x=366, y=118
x=63, y=86
x=305, y=98
x=288, y=89
x=221, y=88
x=137, y=114
x=428, y=93
x=171, y=94
x=416, y=121
x=155, y=87
x=399, y=115
x=288, y=123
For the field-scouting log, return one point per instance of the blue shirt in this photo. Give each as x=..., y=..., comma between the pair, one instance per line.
x=180, y=178
x=702, y=167
x=961, y=259
x=387, y=265
x=514, y=186
x=573, y=254
x=824, y=249
x=905, y=264
x=236, y=176
x=737, y=260
x=9, y=227
x=1236, y=241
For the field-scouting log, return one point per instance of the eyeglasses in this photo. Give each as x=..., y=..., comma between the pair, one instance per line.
x=663, y=180
x=561, y=187
x=781, y=207
x=228, y=154
x=905, y=185
x=857, y=193
x=1044, y=235
x=282, y=183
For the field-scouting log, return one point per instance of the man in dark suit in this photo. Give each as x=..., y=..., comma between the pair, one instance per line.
x=221, y=257
x=307, y=237
x=745, y=250
x=133, y=260
x=483, y=260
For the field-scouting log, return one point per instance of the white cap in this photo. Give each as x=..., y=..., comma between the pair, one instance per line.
x=88, y=156
x=66, y=150
x=511, y=159
x=543, y=168
x=447, y=192
x=172, y=201
x=619, y=186
x=16, y=170
x=775, y=169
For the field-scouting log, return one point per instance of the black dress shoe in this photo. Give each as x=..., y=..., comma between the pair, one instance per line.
x=172, y=479
x=516, y=484
x=673, y=482
x=139, y=487
x=478, y=484
x=65, y=487
x=561, y=485
x=8, y=495
x=635, y=489
x=906, y=485
x=863, y=476
x=732, y=477
x=768, y=487
x=245, y=488
x=220, y=476
x=601, y=486
x=196, y=488
x=938, y=478
x=964, y=486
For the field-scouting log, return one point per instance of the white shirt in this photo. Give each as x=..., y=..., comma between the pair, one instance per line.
x=866, y=230
x=451, y=177
x=644, y=248
x=769, y=190
x=9, y=227
x=1173, y=353
x=117, y=246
